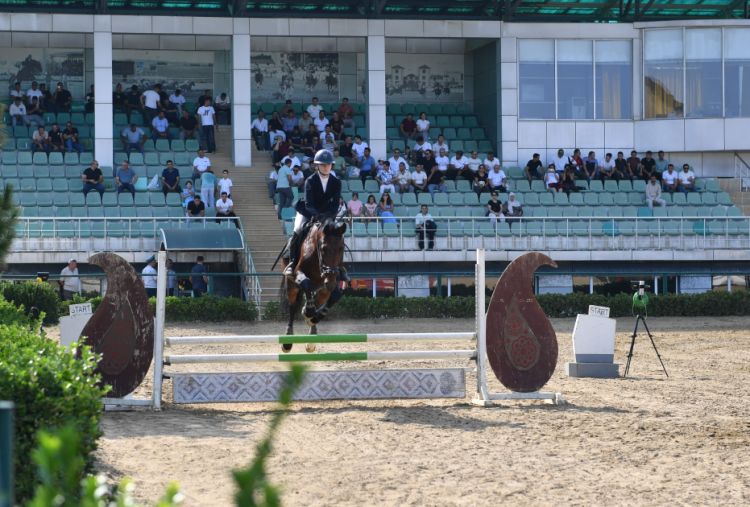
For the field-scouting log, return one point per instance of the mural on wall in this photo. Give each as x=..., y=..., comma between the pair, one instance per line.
x=278, y=76
x=44, y=66
x=191, y=72
x=424, y=78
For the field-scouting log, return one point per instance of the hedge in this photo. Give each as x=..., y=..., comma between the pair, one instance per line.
x=41, y=296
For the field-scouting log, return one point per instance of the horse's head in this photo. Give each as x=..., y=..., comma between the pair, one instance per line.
x=331, y=249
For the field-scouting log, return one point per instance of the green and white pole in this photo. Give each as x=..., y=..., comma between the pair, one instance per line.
x=396, y=355
x=320, y=338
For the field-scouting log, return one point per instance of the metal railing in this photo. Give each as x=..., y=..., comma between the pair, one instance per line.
x=742, y=174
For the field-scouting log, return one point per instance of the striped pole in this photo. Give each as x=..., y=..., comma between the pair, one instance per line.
x=326, y=356
x=319, y=338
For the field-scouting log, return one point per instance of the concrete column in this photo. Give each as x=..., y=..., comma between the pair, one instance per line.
x=241, y=114
x=508, y=102
x=376, y=98
x=103, y=142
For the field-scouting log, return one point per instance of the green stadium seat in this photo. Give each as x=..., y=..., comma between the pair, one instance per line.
x=371, y=186
x=9, y=171
x=591, y=198
x=44, y=185
x=182, y=159
x=9, y=157
x=721, y=198
x=55, y=158
x=457, y=146
x=150, y=158
x=470, y=199
x=63, y=118
x=484, y=146
x=546, y=199
x=624, y=186
x=162, y=145
x=157, y=199
x=470, y=145
x=638, y=185
x=538, y=186
x=712, y=185
x=44, y=199
x=409, y=199
x=173, y=199
x=607, y=199
x=93, y=199
x=39, y=158
x=611, y=186
x=191, y=145
x=424, y=198
x=137, y=159
x=440, y=122
x=477, y=133
x=636, y=198
x=718, y=211
x=456, y=121
x=708, y=199
x=576, y=199
x=26, y=171
x=523, y=186
x=149, y=146
x=441, y=199
x=561, y=199
x=450, y=135
x=21, y=131
x=678, y=198
x=694, y=199
x=112, y=211
x=108, y=199
x=28, y=185
x=596, y=186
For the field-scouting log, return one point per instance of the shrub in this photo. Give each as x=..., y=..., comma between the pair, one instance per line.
x=34, y=294
x=50, y=388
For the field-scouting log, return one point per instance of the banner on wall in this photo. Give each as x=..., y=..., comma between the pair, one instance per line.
x=424, y=77
x=192, y=72
x=278, y=76
x=43, y=65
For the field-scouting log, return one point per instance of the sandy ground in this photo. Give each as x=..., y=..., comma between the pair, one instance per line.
x=644, y=440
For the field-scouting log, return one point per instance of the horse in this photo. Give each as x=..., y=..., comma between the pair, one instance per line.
x=317, y=276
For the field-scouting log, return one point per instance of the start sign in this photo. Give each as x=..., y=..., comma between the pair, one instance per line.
x=80, y=309
x=598, y=311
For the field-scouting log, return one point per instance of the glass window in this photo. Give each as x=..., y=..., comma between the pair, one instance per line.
x=737, y=72
x=575, y=79
x=536, y=76
x=663, y=74
x=614, y=79
x=703, y=73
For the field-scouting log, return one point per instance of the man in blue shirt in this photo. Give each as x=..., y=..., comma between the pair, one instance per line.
x=170, y=179
x=367, y=166
x=132, y=138
x=198, y=278
x=160, y=127
x=125, y=178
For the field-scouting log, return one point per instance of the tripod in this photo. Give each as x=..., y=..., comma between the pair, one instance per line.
x=640, y=318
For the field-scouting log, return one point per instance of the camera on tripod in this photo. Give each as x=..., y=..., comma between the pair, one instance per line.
x=640, y=297
x=640, y=302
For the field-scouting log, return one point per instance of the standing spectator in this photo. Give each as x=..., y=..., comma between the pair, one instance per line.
x=201, y=164
x=223, y=107
x=371, y=207
x=419, y=179
x=305, y=122
x=132, y=138
x=224, y=208
x=591, y=166
x=273, y=177
x=512, y=208
x=408, y=127
x=119, y=99
x=205, y=95
x=686, y=180
x=648, y=167
x=225, y=183
x=171, y=278
x=355, y=206
x=494, y=209
x=607, y=169
x=497, y=179
x=208, y=188
x=198, y=277
x=669, y=179
x=40, y=140
x=385, y=178
x=284, y=186
x=481, y=181
x=321, y=122
x=177, y=101
x=34, y=91
x=148, y=275
x=560, y=161
x=260, y=132
x=170, y=179
x=346, y=113
x=133, y=101
x=18, y=112
x=93, y=179
x=661, y=163
x=653, y=193
x=34, y=112
x=90, y=100
x=634, y=164
x=188, y=126
x=425, y=226
x=62, y=99
x=552, y=179
x=69, y=282
x=314, y=109
x=403, y=179
x=125, y=179
x=70, y=136
x=533, y=169
x=207, y=115
x=160, y=127
x=17, y=93
x=150, y=103
x=56, y=140
x=423, y=125
x=196, y=208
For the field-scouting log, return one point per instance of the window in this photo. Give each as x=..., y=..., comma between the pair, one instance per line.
x=614, y=81
x=737, y=72
x=662, y=73
x=703, y=73
x=575, y=83
x=536, y=74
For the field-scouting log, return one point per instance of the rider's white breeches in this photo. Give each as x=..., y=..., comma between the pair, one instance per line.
x=299, y=221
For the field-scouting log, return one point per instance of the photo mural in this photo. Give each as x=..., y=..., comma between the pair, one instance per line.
x=424, y=77
x=44, y=66
x=278, y=76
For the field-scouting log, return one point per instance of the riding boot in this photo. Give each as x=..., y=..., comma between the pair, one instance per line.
x=293, y=251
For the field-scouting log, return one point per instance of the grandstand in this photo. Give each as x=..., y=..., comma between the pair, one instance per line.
x=601, y=77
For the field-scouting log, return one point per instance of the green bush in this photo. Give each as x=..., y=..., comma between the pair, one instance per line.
x=43, y=296
x=50, y=388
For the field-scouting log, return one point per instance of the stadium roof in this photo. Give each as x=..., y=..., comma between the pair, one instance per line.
x=604, y=11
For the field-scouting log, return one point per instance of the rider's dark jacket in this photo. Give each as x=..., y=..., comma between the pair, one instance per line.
x=316, y=202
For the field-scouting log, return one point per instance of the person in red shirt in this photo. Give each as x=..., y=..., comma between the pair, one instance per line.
x=346, y=113
x=408, y=127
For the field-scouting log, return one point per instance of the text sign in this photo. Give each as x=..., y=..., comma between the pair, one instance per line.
x=599, y=311
x=81, y=309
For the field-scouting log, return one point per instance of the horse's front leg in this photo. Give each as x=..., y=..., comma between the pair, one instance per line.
x=293, y=299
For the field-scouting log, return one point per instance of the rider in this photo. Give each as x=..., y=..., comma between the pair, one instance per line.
x=321, y=200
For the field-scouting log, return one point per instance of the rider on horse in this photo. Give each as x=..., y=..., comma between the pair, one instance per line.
x=320, y=201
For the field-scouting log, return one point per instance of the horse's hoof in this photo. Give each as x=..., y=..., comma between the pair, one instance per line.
x=310, y=348
x=287, y=347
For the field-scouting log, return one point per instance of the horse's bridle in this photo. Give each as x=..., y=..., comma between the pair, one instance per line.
x=324, y=269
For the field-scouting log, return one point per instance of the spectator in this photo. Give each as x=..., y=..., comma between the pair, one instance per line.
x=490, y=162
x=283, y=186
x=125, y=179
x=423, y=125
x=170, y=179
x=403, y=179
x=70, y=283
x=328, y=143
x=634, y=164
x=347, y=151
x=321, y=122
x=118, y=99
x=607, y=169
x=34, y=91
x=40, y=140
x=273, y=177
x=171, y=278
x=342, y=212
x=223, y=107
x=494, y=209
x=45, y=102
x=661, y=163
x=275, y=134
x=458, y=166
x=150, y=103
x=346, y=113
x=358, y=148
x=288, y=106
x=622, y=167
x=481, y=181
x=56, y=140
x=568, y=182
x=171, y=112
x=591, y=166
x=385, y=207
x=198, y=278
x=408, y=127
x=61, y=99
x=208, y=188
x=17, y=93
x=291, y=156
x=425, y=226
x=207, y=116
x=305, y=122
x=202, y=98
x=473, y=163
x=371, y=207
x=88, y=108
x=289, y=122
x=560, y=161
x=296, y=139
x=442, y=161
x=385, y=178
x=160, y=127
x=72, y=141
x=188, y=126
x=201, y=164
x=533, y=168
x=149, y=277
x=224, y=208
x=497, y=179
x=337, y=126
x=314, y=145
x=428, y=162
x=18, y=112
x=225, y=183
x=669, y=179
x=576, y=161
x=133, y=101
x=132, y=138
x=436, y=181
x=298, y=178
x=552, y=179
x=419, y=179
x=396, y=159
x=355, y=206
x=280, y=149
x=93, y=179
x=419, y=149
x=441, y=144
x=686, y=180
x=512, y=208
x=315, y=108
x=653, y=193
x=648, y=167
x=187, y=194
x=196, y=208
x=177, y=100
x=34, y=112
x=339, y=164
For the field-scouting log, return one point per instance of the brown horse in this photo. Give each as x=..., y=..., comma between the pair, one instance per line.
x=317, y=276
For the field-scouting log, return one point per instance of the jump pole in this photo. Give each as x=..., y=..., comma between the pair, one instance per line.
x=161, y=307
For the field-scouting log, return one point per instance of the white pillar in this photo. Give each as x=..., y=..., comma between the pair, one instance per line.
x=103, y=142
x=376, y=98
x=241, y=114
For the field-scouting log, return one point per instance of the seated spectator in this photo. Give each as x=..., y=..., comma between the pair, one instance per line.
x=403, y=179
x=160, y=127
x=293, y=158
x=385, y=208
x=342, y=211
x=347, y=151
x=297, y=140
x=497, y=179
x=669, y=179
x=223, y=107
x=634, y=164
x=367, y=166
x=568, y=182
x=17, y=112
x=196, y=208
x=328, y=143
x=56, y=140
x=88, y=108
x=132, y=138
x=661, y=163
x=648, y=167
x=490, y=162
x=187, y=194
x=428, y=161
x=224, y=208
x=288, y=106
x=359, y=146
x=17, y=93
x=425, y=226
x=313, y=143
x=408, y=127
x=590, y=166
x=62, y=99
x=396, y=159
x=423, y=126
x=436, y=181
x=337, y=126
x=280, y=149
x=273, y=177
x=622, y=167
x=442, y=161
x=298, y=178
x=177, y=101
x=315, y=108
x=552, y=179
x=494, y=209
x=151, y=103
x=339, y=164
x=201, y=164
x=481, y=181
x=346, y=113
x=45, y=101
x=371, y=207
x=441, y=144
x=208, y=188
x=225, y=183
x=260, y=132
x=577, y=162
x=386, y=178
x=93, y=179
x=321, y=122
x=188, y=126
x=305, y=122
x=198, y=278
x=419, y=149
x=419, y=179
x=170, y=179
x=607, y=170
x=34, y=91
x=653, y=193
x=40, y=140
x=289, y=122
x=125, y=179
x=34, y=112
x=118, y=99
x=355, y=206
x=275, y=134
x=459, y=167
x=474, y=163
x=533, y=169
x=72, y=141
x=133, y=100
x=560, y=161
x=512, y=208
x=686, y=180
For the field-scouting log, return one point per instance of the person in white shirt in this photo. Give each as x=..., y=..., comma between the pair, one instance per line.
x=419, y=179
x=669, y=179
x=260, y=132
x=421, y=146
x=150, y=103
x=653, y=193
x=385, y=178
x=160, y=127
x=490, y=162
x=496, y=179
x=314, y=109
x=224, y=207
x=298, y=178
x=442, y=161
x=397, y=159
x=69, y=282
x=403, y=179
x=225, y=183
x=17, y=92
x=294, y=159
x=423, y=125
x=441, y=144
x=178, y=100
x=686, y=179
x=34, y=91
x=560, y=161
x=607, y=167
x=277, y=133
x=207, y=116
x=18, y=112
x=474, y=163
x=459, y=167
x=552, y=179
x=201, y=164
x=149, y=277
x=359, y=146
x=321, y=122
